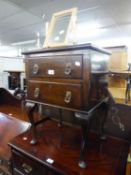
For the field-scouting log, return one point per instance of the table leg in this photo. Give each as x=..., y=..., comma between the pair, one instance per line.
x=104, y=108
x=85, y=126
x=31, y=107
x=60, y=118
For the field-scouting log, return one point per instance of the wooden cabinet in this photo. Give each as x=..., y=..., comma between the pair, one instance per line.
x=9, y=127
x=65, y=76
x=57, y=144
x=22, y=164
x=71, y=78
x=118, y=58
x=118, y=62
x=25, y=165
x=14, y=79
x=61, y=145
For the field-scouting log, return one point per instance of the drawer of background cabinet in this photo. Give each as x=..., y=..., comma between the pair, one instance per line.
x=69, y=66
x=61, y=94
x=24, y=165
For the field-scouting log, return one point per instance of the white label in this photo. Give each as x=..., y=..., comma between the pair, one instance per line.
x=77, y=63
x=50, y=160
x=51, y=72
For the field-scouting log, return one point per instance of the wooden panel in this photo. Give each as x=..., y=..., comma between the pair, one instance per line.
x=116, y=82
x=118, y=93
x=9, y=128
x=118, y=60
x=69, y=66
x=25, y=165
x=56, y=93
x=63, y=146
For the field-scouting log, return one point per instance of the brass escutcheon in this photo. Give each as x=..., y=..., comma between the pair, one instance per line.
x=67, y=98
x=36, y=92
x=35, y=69
x=68, y=69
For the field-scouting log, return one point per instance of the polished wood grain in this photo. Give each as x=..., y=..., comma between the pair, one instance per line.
x=62, y=144
x=58, y=64
x=55, y=93
x=11, y=105
x=51, y=76
x=14, y=111
x=66, y=48
x=9, y=128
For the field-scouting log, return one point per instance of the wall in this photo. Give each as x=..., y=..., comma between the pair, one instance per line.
x=12, y=64
x=9, y=64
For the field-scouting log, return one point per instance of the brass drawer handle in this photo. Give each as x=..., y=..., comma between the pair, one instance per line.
x=27, y=168
x=67, y=98
x=35, y=69
x=68, y=69
x=36, y=92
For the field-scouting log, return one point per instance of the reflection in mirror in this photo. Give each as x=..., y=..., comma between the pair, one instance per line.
x=60, y=29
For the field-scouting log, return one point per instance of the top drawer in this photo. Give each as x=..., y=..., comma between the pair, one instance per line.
x=61, y=66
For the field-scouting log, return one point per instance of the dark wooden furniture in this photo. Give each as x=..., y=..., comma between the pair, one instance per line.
x=14, y=79
x=61, y=145
x=11, y=105
x=9, y=128
x=6, y=98
x=71, y=78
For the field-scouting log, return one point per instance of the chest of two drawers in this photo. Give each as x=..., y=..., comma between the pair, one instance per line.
x=56, y=80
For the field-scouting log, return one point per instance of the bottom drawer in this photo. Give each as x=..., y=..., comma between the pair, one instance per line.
x=61, y=94
x=23, y=165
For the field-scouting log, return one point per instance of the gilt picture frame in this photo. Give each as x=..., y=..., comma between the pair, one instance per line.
x=61, y=26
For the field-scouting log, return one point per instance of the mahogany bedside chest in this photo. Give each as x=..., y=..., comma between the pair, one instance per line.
x=71, y=78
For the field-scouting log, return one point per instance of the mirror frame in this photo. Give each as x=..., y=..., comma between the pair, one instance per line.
x=70, y=28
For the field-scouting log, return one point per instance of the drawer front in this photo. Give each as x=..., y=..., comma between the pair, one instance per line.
x=61, y=94
x=56, y=67
x=26, y=166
